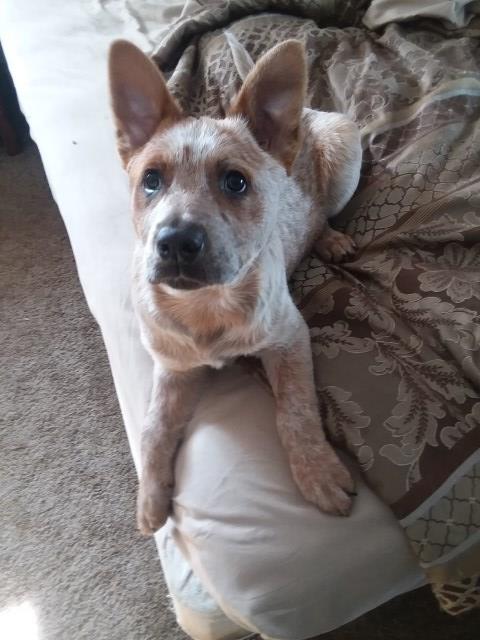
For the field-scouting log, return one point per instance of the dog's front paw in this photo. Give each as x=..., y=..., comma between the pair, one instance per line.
x=323, y=479
x=153, y=506
x=334, y=246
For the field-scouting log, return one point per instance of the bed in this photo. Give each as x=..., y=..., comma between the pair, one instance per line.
x=243, y=553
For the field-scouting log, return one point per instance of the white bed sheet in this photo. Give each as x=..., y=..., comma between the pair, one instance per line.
x=272, y=562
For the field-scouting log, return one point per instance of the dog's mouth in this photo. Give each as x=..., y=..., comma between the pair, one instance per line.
x=182, y=284
x=185, y=276
x=177, y=277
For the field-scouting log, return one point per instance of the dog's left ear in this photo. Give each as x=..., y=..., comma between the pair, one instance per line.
x=140, y=97
x=272, y=98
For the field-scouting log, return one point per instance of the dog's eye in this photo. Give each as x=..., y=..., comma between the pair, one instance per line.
x=234, y=182
x=151, y=181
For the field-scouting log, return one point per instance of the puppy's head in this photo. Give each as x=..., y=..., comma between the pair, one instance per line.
x=205, y=192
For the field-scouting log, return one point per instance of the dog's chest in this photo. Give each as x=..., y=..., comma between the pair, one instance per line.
x=188, y=333
x=179, y=350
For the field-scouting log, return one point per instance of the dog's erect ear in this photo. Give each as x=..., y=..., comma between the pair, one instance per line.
x=140, y=97
x=272, y=98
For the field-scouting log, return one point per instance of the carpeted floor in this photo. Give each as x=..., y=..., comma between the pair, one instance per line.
x=68, y=544
x=68, y=540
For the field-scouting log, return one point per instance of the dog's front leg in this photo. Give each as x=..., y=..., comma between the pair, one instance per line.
x=316, y=468
x=172, y=402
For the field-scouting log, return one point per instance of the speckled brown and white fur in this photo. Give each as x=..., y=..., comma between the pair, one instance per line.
x=301, y=166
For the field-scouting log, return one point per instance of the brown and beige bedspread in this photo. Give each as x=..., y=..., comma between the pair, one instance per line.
x=396, y=331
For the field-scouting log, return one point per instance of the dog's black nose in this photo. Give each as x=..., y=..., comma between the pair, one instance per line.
x=181, y=244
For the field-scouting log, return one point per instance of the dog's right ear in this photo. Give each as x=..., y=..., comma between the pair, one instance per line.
x=140, y=98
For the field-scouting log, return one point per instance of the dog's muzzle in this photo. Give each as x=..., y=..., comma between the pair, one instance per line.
x=179, y=253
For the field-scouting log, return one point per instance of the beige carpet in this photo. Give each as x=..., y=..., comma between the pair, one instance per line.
x=68, y=541
x=68, y=544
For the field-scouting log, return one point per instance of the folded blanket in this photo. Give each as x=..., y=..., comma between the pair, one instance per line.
x=395, y=331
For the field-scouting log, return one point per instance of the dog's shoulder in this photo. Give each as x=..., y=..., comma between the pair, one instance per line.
x=332, y=152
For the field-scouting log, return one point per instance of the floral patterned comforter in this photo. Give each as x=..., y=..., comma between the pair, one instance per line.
x=395, y=331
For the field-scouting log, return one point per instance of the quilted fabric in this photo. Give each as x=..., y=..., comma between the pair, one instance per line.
x=395, y=331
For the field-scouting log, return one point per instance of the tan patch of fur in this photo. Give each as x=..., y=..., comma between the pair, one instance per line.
x=241, y=150
x=209, y=312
